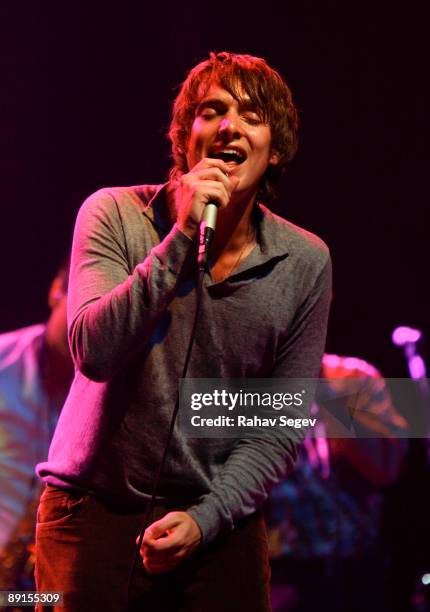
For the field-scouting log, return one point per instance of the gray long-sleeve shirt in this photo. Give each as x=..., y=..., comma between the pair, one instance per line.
x=131, y=306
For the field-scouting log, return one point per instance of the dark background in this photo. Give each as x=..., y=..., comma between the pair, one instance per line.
x=85, y=101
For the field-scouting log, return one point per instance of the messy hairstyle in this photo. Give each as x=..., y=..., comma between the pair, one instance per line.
x=239, y=75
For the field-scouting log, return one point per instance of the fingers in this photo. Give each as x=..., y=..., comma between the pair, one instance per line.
x=162, y=553
x=208, y=181
x=164, y=534
x=158, y=528
x=212, y=191
x=221, y=172
x=215, y=169
x=168, y=541
x=204, y=181
x=209, y=162
x=156, y=560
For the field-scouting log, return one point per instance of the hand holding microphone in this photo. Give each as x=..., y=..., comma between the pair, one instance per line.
x=207, y=232
x=207, y=183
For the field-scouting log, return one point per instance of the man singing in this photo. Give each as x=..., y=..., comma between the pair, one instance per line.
x=132, y=298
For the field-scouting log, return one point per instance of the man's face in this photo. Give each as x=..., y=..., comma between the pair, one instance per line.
x=234, y=131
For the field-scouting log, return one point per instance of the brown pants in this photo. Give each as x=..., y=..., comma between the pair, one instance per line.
x=85, y=550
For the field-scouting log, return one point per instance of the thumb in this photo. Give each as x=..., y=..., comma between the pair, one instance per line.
x=160, y=527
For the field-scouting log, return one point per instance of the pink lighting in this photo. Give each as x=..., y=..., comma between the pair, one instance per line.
x=417, y=367
x=405, y=335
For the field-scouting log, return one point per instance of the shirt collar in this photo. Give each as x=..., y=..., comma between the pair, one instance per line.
x=157, y=210
x=272, y=231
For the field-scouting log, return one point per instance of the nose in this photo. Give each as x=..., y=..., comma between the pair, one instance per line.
x=229, y=127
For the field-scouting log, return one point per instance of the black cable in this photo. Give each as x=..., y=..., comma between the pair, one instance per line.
x=169, y=436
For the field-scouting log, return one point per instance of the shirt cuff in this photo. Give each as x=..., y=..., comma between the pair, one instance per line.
x=209, y=520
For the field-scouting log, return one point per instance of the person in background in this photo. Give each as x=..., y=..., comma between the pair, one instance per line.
x=324, y=521
x=36, y=370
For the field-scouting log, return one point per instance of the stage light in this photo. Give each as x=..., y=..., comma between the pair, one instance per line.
x=425, y=579
x=405, y=335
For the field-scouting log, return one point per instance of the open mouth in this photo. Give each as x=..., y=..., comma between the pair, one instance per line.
x=229, y=156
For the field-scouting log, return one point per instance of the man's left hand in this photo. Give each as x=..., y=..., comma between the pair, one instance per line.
x=168, y=541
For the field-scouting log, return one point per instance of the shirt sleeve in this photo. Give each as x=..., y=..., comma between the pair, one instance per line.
x=378, y=448
x=112, y=309
x=257, y=464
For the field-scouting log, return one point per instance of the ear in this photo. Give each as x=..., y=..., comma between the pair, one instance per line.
x=56, y=292
x=274, y=158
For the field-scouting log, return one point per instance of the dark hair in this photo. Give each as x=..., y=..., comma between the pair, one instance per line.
x=239, y=75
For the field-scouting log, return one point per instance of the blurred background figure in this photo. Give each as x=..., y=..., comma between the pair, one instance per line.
x=407, y=504
x=324, y=521
x=35, y=374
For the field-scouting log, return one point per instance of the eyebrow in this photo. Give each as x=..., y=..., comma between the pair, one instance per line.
x=246, y=105
x=211, y=101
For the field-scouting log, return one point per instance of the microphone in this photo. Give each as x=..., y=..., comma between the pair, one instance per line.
x=207, y=232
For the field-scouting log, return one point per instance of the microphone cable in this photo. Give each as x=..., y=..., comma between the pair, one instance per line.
x=202, y=271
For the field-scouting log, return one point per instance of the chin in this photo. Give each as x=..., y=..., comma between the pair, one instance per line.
x=242, y=189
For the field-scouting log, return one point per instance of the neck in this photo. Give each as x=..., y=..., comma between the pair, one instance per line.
x=234, y=227
x=234, y=223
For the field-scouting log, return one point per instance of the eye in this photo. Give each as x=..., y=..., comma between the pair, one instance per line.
x=210, y=109
x=252, y=117
x=207, y=112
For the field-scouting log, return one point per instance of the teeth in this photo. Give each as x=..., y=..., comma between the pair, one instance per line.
x=231, y=153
